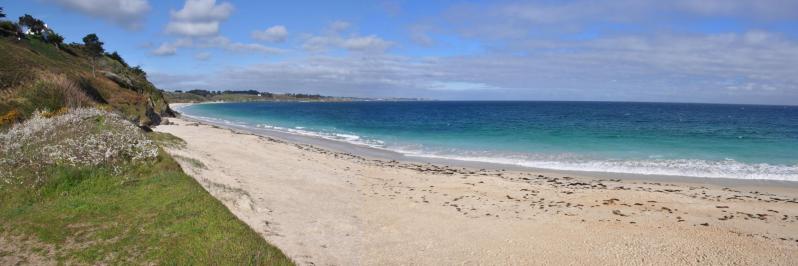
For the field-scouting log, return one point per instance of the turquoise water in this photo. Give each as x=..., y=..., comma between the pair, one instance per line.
x=701, y=140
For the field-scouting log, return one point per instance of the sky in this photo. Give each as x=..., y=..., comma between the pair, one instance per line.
x=715, y=51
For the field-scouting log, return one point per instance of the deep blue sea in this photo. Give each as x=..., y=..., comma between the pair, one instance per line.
x=700, y=140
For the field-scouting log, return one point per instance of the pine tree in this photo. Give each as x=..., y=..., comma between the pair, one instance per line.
x=95, y=49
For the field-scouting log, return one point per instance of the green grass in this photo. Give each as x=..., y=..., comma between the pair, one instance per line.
x=166, y=140
x=133, y=213
x=194, y=162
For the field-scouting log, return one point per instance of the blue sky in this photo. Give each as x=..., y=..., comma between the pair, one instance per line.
x=725, y=51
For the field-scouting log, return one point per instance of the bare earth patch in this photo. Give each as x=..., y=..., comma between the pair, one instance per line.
x=17, y=250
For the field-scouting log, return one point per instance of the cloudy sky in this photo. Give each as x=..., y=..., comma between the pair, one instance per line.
x=724, y=51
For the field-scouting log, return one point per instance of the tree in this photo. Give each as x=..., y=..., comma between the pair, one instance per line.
x=55, y=38
x=95, y=49
x=2, y=12
x=118, y=58
x=139, y=71
x=35, y=25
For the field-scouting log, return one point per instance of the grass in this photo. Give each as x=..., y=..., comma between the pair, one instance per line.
x=145, y=212
x=166, y=140
x=194, y=162
x=102, y=210
x=24, y=64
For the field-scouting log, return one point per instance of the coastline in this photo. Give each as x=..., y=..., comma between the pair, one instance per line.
x=322, y=205
x=384, y=154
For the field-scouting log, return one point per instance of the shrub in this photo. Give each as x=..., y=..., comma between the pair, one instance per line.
x=8, y=28
x=117, y=57
x=78, y=137
x=52, y=92
x=11, y=117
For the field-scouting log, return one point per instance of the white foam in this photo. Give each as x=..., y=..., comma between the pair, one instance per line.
x=677, y=167
x=654, y=165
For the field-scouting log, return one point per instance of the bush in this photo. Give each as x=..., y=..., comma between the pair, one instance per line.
x=78, y=137
x=52, y=92
x=117, y=57
x=11, y=117
x=8, y=28
x=55, y=38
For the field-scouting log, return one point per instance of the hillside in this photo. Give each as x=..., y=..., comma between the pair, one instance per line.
x=38, y=75
x=84, y=182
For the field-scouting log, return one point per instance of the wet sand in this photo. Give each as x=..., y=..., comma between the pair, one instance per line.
x=325, y=206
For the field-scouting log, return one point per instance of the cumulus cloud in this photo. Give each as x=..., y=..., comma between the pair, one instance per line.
x=525, y=52
x=170, y=48
x=714, y=68
x=335, y=38
x=197, y=25
x=202, y=56
x=365, y=43
x=273, y=34
x=199, y=18
x=128, y=13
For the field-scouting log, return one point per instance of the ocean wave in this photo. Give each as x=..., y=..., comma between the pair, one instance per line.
x=653, y=165
x=668, y=167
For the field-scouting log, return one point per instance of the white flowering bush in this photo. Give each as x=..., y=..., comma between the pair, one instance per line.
x=79, y=137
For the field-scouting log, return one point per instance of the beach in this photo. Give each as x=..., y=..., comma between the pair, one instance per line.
x=324, y=207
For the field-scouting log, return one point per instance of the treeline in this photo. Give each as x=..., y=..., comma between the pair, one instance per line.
x=207, y=93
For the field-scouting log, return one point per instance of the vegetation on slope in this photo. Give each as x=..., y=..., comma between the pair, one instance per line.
x=87, y=186
x=80, y=181
x=38, y=74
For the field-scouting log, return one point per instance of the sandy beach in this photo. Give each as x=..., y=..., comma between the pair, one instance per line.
x=324, y=207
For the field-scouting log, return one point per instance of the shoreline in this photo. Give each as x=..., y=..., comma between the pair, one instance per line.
x=322, y=206
x=385, y=154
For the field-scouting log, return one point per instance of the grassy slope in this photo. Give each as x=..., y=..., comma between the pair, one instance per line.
x=135, y=212
x=144, y=212
x=22, y=64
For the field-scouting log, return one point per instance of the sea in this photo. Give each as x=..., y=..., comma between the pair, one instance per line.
x=678, y=139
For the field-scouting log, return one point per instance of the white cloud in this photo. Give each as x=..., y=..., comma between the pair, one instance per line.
x=365, y=43
x=227, y=44
x=460, y=86
x=199, y=18
x=198, y=25
x=273, y=34
x=351, y=42
x=202, y=56
x=128, y=13
x=684, y=68
x=165, y=50
x=186, y=28
x=758, y=9
x=525, y=51
x=419, y=34
x=203, y=10
x=170, y=48
x=370, y=44
x=339, y=25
